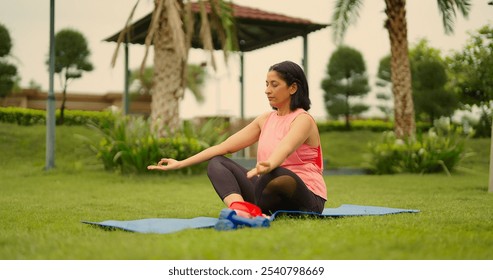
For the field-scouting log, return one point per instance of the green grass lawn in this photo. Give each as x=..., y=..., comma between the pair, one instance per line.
x=41, y=211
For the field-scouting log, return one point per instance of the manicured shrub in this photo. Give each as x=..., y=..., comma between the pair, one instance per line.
x=22, y=116
x=26, y=117
x=370, y=125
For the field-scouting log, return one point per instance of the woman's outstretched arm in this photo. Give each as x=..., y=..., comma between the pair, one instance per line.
x=240, y=140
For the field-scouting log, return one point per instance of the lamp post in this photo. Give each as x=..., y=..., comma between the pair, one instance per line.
x=490, y=188
x=50, y=102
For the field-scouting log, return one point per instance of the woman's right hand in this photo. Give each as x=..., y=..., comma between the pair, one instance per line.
x=165, y=164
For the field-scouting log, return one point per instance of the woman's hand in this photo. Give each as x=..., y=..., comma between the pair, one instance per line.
x=165, y=164
x=262, y=167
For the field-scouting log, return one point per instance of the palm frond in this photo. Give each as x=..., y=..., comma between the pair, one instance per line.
x=447, y=9
x=206, y=34
x=228, y=21
x=176, y=26
x=123, y=33
x=189, y=22
x=156, y=13
x=223, y=22
x=345, y=13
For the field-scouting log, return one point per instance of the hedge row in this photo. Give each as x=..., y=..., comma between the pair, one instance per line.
x=371, y=125
x=23, y=116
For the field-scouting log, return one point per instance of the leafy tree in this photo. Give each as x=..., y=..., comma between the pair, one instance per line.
x=195, y=81
x=472, y=68
x=142, y=82
x=347, y=11
x=432, y=99
x=171, y=32
x=346, y=78
x=5, y=41
x=384, y=85
x=71, y=60
x=8, y=72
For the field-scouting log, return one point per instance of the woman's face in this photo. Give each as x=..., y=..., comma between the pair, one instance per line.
x=277, y=91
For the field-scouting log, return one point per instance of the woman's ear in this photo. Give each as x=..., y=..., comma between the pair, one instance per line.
x=293, y=88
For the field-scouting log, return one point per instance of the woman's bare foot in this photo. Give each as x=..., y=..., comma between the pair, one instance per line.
x=243, y=214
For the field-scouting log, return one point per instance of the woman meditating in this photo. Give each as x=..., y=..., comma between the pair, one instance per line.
x=288, y=173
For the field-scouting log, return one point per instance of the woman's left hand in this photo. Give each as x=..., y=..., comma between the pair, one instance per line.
x=262, y=167
x=165, y=164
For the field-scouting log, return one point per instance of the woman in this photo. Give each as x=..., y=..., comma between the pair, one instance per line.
x=288, y=173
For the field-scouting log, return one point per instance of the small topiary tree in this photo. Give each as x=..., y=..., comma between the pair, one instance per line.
x=346, y=78
x=71, y=60
x=8, y=72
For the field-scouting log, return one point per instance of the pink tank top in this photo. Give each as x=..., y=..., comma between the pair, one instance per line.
x=306, y=161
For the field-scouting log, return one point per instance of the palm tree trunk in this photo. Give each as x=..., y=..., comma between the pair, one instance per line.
x=168, y=90
x=401, y=73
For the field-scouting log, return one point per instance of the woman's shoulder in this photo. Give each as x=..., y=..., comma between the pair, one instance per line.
x=303, y=117
x=302, y=114
x=261, y=119
x=265, y=115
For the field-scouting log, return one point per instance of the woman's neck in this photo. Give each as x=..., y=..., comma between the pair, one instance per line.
x=283, y=111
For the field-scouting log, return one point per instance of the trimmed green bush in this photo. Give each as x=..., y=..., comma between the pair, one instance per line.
x=78, y=117
x=370, y=125
x=23, y=116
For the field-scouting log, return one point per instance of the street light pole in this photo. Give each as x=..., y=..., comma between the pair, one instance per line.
x=50, y=102
x=490, y=188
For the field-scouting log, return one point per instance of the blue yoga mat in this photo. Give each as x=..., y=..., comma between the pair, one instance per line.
x=169, y=225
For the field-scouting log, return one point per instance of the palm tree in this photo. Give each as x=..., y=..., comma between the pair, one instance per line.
x=170, y=32
x=346, y=12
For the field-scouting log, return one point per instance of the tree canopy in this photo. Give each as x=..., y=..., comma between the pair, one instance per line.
x=5, y=41
x=71, y=54
x=71, y=59
x=432, y=98
x=472, y=68
x=384, y=86
x=8, y=71
x=346, y=78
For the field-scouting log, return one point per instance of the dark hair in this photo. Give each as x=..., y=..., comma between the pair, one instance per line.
x=291, y=72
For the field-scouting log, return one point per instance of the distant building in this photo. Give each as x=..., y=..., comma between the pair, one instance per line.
x=34, y=99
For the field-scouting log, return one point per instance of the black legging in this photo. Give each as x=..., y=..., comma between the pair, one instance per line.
x=280, y=189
